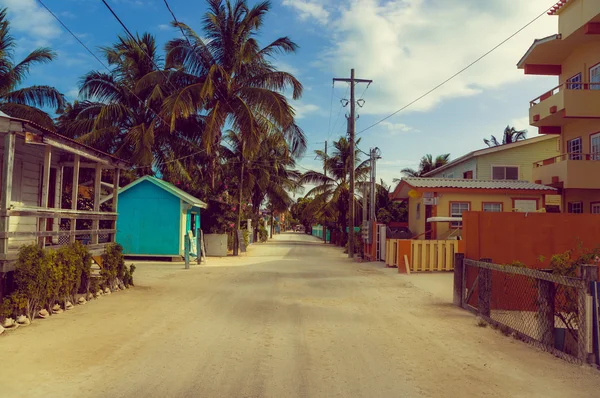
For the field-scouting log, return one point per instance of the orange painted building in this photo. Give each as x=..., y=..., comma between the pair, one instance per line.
x=571, y=111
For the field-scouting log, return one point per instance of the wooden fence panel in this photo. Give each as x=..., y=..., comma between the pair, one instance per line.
x=433, y=255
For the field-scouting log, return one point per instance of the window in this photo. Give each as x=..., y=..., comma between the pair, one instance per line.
x=505, y=172
x=595, y=208
x=574, y=79
x=468, y=175
x=576, y=207
x=595, y=77
x=595, y=146
x=574, y=149
x=492, y=207
x=456, y=210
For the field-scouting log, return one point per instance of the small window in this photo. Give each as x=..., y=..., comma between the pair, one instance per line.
x=492, y=207
x=456, y=210
x=505, y=172
x=595, y=208
x=468, y=175
x=576, y=207
x=574, y=149
x=572, y=82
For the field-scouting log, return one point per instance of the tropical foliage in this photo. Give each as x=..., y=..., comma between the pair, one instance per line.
x=24, y=102
x=509, y=136
x=426, y=165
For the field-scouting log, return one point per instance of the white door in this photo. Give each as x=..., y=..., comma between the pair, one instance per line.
x=526, y=205
x=595, y=77
x=595, y=146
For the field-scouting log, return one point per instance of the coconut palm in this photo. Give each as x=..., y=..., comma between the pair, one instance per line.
x=332, y=191
x=120, y=111
x=427, y=164
x=24, y=102
x=231, y=80
x=509, y=136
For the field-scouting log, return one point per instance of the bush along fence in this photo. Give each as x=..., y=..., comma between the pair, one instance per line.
x=49, y=281
x=550, y=311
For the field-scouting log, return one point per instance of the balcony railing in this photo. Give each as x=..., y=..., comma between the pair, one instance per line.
x=564, y=86
x=567, y=156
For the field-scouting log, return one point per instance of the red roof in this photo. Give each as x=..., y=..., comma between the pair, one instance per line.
x=557, y=6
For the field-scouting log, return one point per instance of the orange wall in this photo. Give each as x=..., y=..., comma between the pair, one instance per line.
x=508, y=237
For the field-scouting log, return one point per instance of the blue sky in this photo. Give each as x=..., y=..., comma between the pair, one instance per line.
x=406, y=46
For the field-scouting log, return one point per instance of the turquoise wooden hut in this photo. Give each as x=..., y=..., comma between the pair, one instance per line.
x=154, y=215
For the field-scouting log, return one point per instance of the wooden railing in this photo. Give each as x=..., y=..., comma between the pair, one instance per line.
x=564, y=86
x=421, y=255
x=567, y=156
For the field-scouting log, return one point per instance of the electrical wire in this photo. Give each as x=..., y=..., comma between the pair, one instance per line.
x=457, y=73
x=330, y=111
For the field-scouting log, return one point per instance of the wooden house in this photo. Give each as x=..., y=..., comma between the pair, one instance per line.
x=155, y=216
x=39, y=169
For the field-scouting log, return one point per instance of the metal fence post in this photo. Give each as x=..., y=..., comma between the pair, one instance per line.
x=459, y=289
x=546, y=294
x=484, y=286
x=588, y=274
x=186, y=250
x=198, y=247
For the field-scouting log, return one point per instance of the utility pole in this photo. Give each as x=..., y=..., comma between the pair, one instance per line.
x=325, y=174
x=351, y=132
x=375, y=154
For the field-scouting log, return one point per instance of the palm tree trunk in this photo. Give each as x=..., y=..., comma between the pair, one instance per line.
x=271, y=228
x=236, y=243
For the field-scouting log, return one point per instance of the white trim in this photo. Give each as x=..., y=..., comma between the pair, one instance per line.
x=505, y=165
x=182, y=222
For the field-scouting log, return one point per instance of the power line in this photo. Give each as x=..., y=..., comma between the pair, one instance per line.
x=339, y=113
x=330, y=112
x=457, y=73
x=108, y=69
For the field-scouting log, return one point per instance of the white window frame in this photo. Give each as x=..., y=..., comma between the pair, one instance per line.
x=570, y=207
x=595, y=208
x=595, y=147
x=458, y=224
x=595, y=73
x=505, y=166
x=574, y=148
x=501, y=207
x=573, y=82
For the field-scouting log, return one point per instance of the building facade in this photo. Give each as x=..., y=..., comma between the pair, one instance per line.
x=571, y=110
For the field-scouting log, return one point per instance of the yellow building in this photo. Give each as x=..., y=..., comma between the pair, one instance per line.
x=504, y=162
x=570, y=111
x=448, y=197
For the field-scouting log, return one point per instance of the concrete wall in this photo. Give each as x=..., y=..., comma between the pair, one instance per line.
x=576, y=14
x=508, y=237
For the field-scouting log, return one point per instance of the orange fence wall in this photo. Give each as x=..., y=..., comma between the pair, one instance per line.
x=524, y=237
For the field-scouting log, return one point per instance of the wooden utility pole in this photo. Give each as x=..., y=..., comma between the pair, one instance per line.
x=351, y=132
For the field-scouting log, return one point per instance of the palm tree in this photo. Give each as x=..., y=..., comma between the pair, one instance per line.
x=230, y=79
x=332, y=192
x=426, y=165
x=24, y=102
x=121, y=110
x=509, y=136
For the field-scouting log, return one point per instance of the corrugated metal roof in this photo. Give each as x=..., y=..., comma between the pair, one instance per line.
x=474, y=184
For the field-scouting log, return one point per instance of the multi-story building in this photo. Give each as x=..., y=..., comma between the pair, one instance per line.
x=571, y=110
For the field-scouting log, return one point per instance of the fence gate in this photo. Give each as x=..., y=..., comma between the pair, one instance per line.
x=381, y=239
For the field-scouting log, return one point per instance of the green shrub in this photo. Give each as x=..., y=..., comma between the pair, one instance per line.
x=32, y=280
x=263, y=234
x=113, y=266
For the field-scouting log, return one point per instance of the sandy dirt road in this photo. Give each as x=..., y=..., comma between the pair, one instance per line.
x=294, y=318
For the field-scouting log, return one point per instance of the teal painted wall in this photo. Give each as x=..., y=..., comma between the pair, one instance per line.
x=148, y=222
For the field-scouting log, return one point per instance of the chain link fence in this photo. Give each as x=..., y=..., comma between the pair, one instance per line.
x=540, y=308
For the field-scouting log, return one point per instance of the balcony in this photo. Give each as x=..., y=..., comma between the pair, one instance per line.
x=554, y=108
x=573, y=170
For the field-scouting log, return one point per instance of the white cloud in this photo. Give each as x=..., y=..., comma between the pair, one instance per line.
x=163, y=26
x=28, y=17
x=309, y=9
x=72, y=94
x=304, y=109
x=522, y=123
x=408, y=47
x=397, y=128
